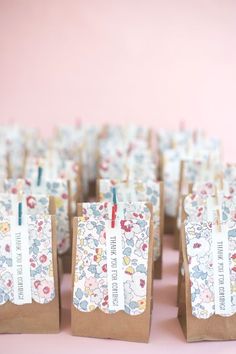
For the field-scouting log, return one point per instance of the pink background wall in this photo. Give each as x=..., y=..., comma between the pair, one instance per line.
x=155, y=62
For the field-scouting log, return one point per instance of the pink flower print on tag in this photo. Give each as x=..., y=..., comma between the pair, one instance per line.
x=6, y=247
x=6, y=281
x=126, y=225
x=31, y=202
x=45, y=289
x=198, y=247
x=90, y=284
x=206, y=295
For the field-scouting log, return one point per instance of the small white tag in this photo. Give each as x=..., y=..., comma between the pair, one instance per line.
x=20, y=257
x=221, y=270
x=114, y=266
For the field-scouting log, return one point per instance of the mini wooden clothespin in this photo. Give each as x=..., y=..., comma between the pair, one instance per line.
x=114, y=207
x=208, y=162
x=218, y=216
x=40, y=173
x=218, y=220
x=127, y=175
x=20, y=207
x=221, y=181
x=190, y=188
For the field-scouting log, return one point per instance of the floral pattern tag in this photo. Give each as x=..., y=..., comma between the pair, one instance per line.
x=36, y=204
x=133, y=191
x=55, y=168
x=171, y=171
x=90, y=282
x=59, y=190
x=201, y=267
x=193, y=173
x=200, y=234
x=191, y=152
x=40, y=261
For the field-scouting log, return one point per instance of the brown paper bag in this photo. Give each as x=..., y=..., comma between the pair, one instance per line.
x=34, y=317
x=214, y=328
x=120, y=325
x=157, y=273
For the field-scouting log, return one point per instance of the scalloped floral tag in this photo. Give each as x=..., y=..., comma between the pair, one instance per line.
x=210, y=232
x=59, y=190
x=137, y=191
x=91, y=270
x=40, y=259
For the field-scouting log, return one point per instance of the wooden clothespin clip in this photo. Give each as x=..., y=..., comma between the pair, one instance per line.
x=40, y=173
x=127, y=175
x=114, y=207
x=218, y=216
x=20, y=207
x=208, y=164
x=221, y=181
x=190, y=188
x=218, y=220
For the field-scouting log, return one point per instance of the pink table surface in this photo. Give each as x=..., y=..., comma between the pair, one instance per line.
x=166, y=334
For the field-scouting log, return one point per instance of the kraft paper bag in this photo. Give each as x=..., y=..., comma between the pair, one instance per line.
x=33, y=305
x=207, y=291
x=92, y=315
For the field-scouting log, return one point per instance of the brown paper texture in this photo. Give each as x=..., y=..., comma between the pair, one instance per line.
x=157, y=273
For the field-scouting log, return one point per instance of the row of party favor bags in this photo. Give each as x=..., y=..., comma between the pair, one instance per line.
x=112, y=268
x=29, y=284
x=207, y=267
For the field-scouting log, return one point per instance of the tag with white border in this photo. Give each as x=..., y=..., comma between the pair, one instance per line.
x=20, y=256
x=221, y=268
